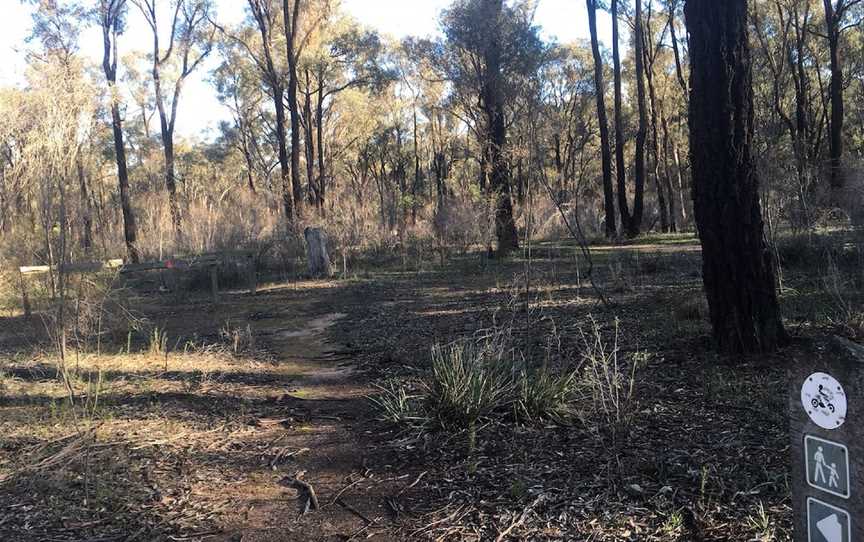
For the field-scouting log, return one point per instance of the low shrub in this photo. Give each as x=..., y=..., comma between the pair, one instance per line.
x=398, y=403
x=548, y=395
x=468, y=381
x=472, y=381
x=608, y=382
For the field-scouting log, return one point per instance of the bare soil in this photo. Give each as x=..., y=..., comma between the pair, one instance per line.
x=205, y=444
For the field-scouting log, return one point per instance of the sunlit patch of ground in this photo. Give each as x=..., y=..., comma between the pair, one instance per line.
x=255, y=391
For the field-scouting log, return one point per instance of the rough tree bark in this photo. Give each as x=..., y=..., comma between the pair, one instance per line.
x=738, y=273
x=620, y=166
x=262, y=12
x=639, y=176
x=309, y=139
x=110, y=19
x=189, y=18
x=599, y=93
x=291, y=19
x=319, y=137
x=834, y=15
x=316, y=252
x=493, y=103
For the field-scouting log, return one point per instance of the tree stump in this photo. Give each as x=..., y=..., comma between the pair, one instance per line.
x=316, y=252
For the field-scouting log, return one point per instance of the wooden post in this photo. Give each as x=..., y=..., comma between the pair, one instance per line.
x=252, y=274
x=25, y=300
x=826, y=422
x=214, y=282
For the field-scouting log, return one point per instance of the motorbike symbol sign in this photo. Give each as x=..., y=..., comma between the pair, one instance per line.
x=824, y=400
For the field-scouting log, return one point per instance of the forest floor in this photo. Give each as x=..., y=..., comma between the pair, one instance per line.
x=204, y=435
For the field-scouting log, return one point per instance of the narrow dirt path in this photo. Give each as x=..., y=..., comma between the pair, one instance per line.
x=319, y=436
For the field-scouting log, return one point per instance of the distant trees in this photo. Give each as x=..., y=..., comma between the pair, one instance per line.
x=490, y=50
x=738, y=272
x=836, y=22
x=343, y=57
x=191, y=38
x=387, y=142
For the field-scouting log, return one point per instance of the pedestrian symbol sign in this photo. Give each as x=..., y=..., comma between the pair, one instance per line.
x=827, y=465
x=826, y=523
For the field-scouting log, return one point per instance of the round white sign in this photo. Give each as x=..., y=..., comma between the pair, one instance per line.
x=824, y=400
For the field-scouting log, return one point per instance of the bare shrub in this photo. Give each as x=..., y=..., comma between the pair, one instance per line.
x=239, y=339
x=230, y=220
x=158, y=343
x=845, y=312
x=607, y=383
x=10, y=296
x=462, y=223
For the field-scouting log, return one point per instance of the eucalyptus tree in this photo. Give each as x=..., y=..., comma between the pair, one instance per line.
x=837, y=20
x=238, y=88
x=190, y=42
x=57, y=28
x=51, y=125
x=737, y=268
x=618, y=120
x=293, y=48
x=343, y=56
x=489, y=53
x=600, y=97
x=653, y=43
x=642, y=128
x=111, y=15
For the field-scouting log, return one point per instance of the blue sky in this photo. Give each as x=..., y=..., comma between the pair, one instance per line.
x=200, y=112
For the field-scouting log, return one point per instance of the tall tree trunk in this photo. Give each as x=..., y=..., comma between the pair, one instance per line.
x=246, y=150
x=319, y=132
x=599, y=93
x=667, y=172
x=130, y=229
x=673, y=36
x=737, y=270
x=273, y=78
x=291, y=21
x=110, y=21
x=288, y=201
x=416, y=184
x=620, y=166
x=835, y=126
x=666, y=206
x=167, y=135
x=86, y=209
x=484, y=166
x=310, y=143
x=681, y=190
x=493, y=102
x=639, y=177
x=800, y=130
